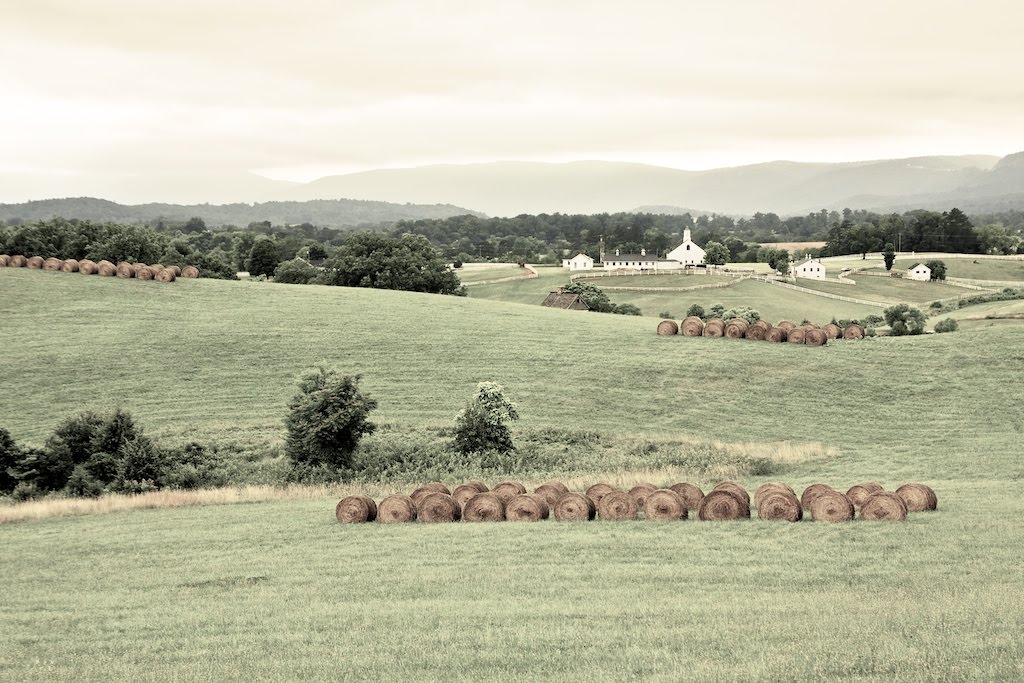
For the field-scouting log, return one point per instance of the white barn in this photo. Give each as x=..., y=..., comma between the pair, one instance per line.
x=809, y=268
x=641, y=261
x=919, y=272
x=687, y=253
x=578, y=262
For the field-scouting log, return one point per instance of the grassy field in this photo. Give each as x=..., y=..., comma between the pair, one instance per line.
x=963, y=266
x=674, y=280
x=889, y=290
x=532, y=291
x=277, y=590
x=470, y=276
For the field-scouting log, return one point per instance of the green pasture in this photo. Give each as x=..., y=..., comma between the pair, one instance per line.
x=889, y=290
x=279, y=591
x=532, y=291
x=674, y=280
x=469, y=276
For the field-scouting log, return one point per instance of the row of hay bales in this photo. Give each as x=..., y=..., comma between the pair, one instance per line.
x=760, y=330
x=509, y=500
x=140, y=271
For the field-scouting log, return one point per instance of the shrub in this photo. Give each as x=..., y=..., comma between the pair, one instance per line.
x=140, y=467
x=295, y=272
x=716, y=311
x=77, y=437
x=327, y=418
x=481, y=426
x=194, y=466
x=626, y=309
x=26, y=491
x=904, y=319
x=9, y=456
x=745, y=312
x=46, y=470
x=666, y=315
x=82, y=483
x=695, y=310
x=947, y=325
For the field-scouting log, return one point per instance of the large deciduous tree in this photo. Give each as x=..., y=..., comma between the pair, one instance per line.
x=407, y=263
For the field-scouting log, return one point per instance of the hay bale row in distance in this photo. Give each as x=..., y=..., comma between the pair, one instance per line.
x=52, y=264
x=105, y=268
x=34, y=263
x=692, y=327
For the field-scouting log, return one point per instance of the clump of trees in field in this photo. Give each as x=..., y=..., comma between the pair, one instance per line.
x=598, y=301
x=904, y=319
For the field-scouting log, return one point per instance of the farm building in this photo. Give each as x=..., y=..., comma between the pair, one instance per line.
x=565, y=300
x=919, y=272
x=641, y=261
x=809, y=268
x=687, y=253
x=578, y=262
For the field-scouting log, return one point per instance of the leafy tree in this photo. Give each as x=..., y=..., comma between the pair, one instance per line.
x=194, y=224
x=407, y=263
x=889, y=255
x=904, y=319
x=592, y=295
x=695, y=310
x=9, y=456
x=666, y=315
x=716, y=254
x=296, y=272
x=263, y=258
x=947, y=325
x=46, y=470
x=938, y=269
x=716, y=311
x=327, y=418
x=482, y=424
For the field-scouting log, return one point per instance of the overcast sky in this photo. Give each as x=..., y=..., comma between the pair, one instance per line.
x=300, y=89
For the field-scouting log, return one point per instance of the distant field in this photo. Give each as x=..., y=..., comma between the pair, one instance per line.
x=956, y=266
x=675, y=280
x=532, y=291
x=469, y=276
x=887, y=289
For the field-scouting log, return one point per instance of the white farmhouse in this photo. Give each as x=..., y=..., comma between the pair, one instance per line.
x=920, y=272
x=578, y=262
x=687, y=253
x=641, y=261
x=809, y=268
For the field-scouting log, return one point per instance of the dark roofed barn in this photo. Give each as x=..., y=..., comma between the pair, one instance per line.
x=569, y=301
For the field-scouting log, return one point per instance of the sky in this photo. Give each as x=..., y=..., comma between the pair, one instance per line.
x=116, y=93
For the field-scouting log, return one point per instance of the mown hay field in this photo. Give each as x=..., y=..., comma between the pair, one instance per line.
x=280, y=590
x=888, y=290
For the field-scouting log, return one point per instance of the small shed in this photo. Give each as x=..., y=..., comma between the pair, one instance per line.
x=919, y=272
x=569, y=301
x=809, y=268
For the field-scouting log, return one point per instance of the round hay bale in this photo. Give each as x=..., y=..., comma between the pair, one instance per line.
x=463, y=493
x=166, y=275
x=437, y=486
x=106, y=269
x=786, y=325
x=53, y=264
x=527, y=507
x=758, y=331
x=690, y=494
x=87, y=267
x=917, y=497
x=831, y=506
x=396, y=509
x=640, y=492
x=190, y=272
x=156, y=267
x=776, y=335
x=815, y=337
x=484, y=507
x=740, y=492
x=507, y=490
x=692, y=327
x=884, y=506
x=857, y=495
x=17, y=261
x=617, y=506
x=812, y=492
x=70, y=266
x=714, y=328
x=551, y=491
x=771, y=487
x=780, y=506
x=136, y=266
x=832, y=331
x=873, y=486
x=176, y=269
x=422, y=492
x=599, y=491
x=721, y=505
x=665, y=505
x=853, y=331
x=736, y=328
x=144, y=273
x=34, y=263
x=667, y=328
x=4, y=260
x=356, y=510
x=574, y=507
x=437, y=507
x=796, y=335
x=812, y=326
x=480, y=486
x=125, y=270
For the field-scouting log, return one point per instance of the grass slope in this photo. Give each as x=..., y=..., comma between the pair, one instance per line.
x=889, y=290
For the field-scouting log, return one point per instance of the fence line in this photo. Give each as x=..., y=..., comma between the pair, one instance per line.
x=815, y=292
x=511, y=278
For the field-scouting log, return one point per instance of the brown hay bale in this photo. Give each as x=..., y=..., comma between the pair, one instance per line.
x=356, y=510
x=70, y=266
x=480, y=486
x=758, y=330
x=144, y=273
x=484, y=507
x=692, y=327
x=34, y=263
x=437, y=486
x=831, y=506
x=463, y=493
x=53, y=264
x=786, y=325
x=884, y=506
x=437, y=508
x=4, y=260
x=812, y=326
x=527, y=507
x=125, y=270
x=176, y=269
x=507, y=490
x=422, y=492
x=190, y=272
x=640, y=492
x=156, y=267
x=574, y=507
x=551, y=491
x=665, y=505
x=17, y=261
x=599, y=491
x=780, y=506
x=396, y=509
x=736, y=328
x=714, y=328
x=776, y=335
x=873, y=486
x=796, y=335
x=812, y=492
x=87, y=267
x=667, y=328
x=815, y=337
x=857, y=495
x=166, y=275
x=617, y=506
x=735, y=488
x=721, y=505
x=771, y=487
x=106, y=269
x=917, y=497
x=853, y=331
x=690, y=494
x=832, y=330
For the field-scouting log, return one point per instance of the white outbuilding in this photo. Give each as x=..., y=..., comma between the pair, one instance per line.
x=919, y=272
x=641, y=261
x=687, y=253
x=809, y=268
x=578, y=262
